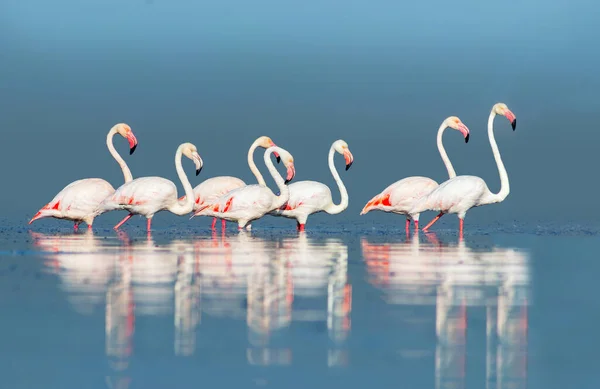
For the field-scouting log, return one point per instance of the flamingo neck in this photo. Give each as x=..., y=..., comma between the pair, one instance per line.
x=117, y=156
x=442, y=150
x=504, y=184
x=284, y=191
x=333, y=208
x=186, y=205
x=253, y=168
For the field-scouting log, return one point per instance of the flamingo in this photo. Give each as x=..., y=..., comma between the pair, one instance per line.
x=251, y=202
x=308, y=197
x=149, y=195
x=461, y=193
x=78, y=200
x=401, y=195
x=215, y=187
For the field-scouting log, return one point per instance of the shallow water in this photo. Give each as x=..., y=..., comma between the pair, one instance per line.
x=344, y=307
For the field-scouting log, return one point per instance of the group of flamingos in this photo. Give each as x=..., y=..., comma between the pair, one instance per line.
x=229, y=198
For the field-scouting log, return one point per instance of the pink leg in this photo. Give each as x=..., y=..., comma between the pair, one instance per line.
x=149, y=224
x=433, y=221
x=300, y=226
x=76, y=227
x=214, y=223
x=460, y=228
x=407, y=225
x=416, y=225
x=89, y=226
x=223, y=225
x=123, y=221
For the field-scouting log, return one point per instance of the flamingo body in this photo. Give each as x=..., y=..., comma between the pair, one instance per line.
x=77, y=201
x=213, y=188
x=142, y=196
x=401, y=196
x=306, y=198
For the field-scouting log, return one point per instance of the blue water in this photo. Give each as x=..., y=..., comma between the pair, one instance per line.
x=346, y=306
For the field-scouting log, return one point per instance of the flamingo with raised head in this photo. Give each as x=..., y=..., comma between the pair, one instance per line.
x=308, y=197
x=148, y=195
x=461, y=193
x=251, y=202
x=209, y=190
x=79, y=200
x=400, y=197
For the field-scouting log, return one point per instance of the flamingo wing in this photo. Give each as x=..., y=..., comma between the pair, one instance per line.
x=213, y=188
x=401, y=195
x=452, y=196
x=307, y=194
x=151, y=192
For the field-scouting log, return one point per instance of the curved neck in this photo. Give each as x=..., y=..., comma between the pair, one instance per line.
x=333, y=208
x=442, y=150
x=504, y=185
x=284, y=191
x=253, y=168
x=186, y=205
x=116, y=156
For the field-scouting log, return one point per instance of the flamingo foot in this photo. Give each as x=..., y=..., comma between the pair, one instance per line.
x=149, y=223
x=123, y=221
x=214, y=223
x=433, y=221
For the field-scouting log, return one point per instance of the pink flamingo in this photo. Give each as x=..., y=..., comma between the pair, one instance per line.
x=400, y=197
x=308, y=197
x=251, y=202
x=79, y=200
x=461, y=193
x=149, y=195
x=209, y=190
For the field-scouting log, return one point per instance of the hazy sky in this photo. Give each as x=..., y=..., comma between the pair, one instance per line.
x=382, y=75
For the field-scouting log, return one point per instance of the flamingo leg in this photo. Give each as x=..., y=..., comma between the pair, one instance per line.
x=123, y=221
x=223, y=225
x=300, y=226
x=460, y=228
x=214, y=223
x=149, y=223
x=89, y=226
x=407, y=225
x=433, y=221
x=416, y=225
x=76, y=226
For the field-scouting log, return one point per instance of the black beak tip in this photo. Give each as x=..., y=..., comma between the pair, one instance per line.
x=514, y=124
x=348, y=165
x=198, y=171
x=131, y=150
x=287, y=181
x=278, y=159
x=467, y=138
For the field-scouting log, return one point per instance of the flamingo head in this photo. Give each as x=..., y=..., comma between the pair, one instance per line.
x=502, y=109
x=455, y=123
x=125, y=131
x=288, y=161
x=190, y=151
x=265, y=142
x=342, y=147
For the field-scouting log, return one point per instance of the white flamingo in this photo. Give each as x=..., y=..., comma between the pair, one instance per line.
x=149, y=195
x=461, y=193
x=252, y=202
x=400, y=197
x=79, y=200
x=308, y=197
x=214, y=187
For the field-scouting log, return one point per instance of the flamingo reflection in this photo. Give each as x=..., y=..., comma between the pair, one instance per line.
x=455, y=278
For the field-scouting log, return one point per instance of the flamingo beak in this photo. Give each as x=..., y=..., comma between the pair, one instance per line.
x=465, y=131
x=291, y=172
x=198, y=162
x=511, y=118
x=349, y=158
x=276, y=154
x=132, y=142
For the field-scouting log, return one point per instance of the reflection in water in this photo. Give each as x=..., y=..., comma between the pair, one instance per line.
x=453, y=278
x=270, y=284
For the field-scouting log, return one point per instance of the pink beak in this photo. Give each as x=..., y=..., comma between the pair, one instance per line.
x=511, y=118
x=291, y=172
x=132, y=142
x=465, y=131
x=349, y=158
